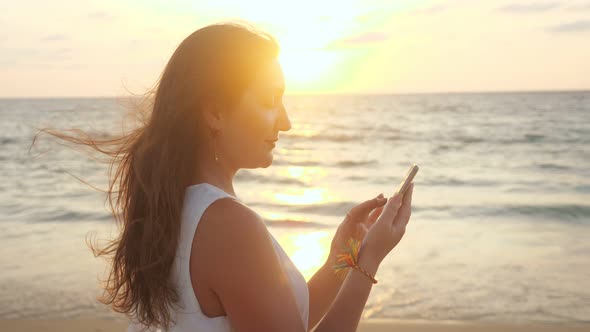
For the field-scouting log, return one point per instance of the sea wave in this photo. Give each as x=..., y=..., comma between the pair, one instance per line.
x=326, y=137
x=294, y=223
x=7, y=140
x=558, y=212
x=65, y=216
x=248, y=176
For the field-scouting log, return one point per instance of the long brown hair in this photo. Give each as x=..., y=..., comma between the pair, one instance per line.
x=151, y=165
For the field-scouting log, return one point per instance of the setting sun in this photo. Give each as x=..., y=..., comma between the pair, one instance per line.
x=305, y=71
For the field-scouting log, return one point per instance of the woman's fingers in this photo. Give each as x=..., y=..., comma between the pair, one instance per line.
x=391, y=207
x=405, y=211
x=362, y=210
x=374, y=215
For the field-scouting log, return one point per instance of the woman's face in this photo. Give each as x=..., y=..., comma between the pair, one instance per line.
x=251, y=128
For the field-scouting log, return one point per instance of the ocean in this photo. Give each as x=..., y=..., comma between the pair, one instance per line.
x=501, y=208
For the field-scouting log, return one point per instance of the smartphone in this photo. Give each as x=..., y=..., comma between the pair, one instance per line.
x=408, y=179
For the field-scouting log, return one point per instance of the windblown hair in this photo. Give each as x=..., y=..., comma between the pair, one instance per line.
x=151, y=165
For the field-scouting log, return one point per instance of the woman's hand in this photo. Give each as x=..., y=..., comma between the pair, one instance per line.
x=390, y=226
x=356, y=224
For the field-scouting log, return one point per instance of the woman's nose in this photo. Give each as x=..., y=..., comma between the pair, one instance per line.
x=284, y=123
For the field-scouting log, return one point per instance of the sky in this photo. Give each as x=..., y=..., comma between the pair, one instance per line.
x=64, y=48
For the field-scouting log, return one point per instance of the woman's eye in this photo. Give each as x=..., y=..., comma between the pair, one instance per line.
x=271, y=101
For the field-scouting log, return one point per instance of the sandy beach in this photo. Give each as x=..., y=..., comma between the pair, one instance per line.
x=373, y=325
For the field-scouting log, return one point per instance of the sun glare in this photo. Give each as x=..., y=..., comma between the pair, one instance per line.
x=307, y=70
x=303, y=173
x=306, y=58
x=308, y=251
x=300, y=197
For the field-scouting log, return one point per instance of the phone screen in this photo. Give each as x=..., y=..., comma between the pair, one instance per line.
x=408, y=179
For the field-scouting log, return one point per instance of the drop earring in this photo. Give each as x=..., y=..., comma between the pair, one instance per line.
x=215, y=132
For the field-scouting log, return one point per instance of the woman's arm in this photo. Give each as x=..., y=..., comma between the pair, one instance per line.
x=383, y=236
x=345, y=312
x=323, y=287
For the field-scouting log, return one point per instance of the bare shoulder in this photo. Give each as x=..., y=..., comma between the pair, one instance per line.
x=243, y=270
x=227, y=218
x=226, y=225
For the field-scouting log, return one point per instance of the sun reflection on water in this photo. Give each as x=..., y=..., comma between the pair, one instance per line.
x=301, y=196
x=304, y=173
x=308, y=251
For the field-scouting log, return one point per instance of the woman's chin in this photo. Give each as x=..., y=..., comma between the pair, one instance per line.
x=268, y=160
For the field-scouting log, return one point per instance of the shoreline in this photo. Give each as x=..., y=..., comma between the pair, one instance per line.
x=370, y=325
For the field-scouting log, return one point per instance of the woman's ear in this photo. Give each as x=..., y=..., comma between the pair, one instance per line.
x=212, y=115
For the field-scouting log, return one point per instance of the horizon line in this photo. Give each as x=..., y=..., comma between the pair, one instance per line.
x=335, y=94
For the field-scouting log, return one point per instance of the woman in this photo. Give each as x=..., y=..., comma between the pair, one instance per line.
x=217, y=108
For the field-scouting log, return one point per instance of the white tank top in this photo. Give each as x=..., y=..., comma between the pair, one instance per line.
x=197, y=198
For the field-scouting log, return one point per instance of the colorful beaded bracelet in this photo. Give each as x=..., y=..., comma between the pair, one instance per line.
x=350, y=259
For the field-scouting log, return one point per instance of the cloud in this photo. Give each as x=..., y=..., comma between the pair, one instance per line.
x=532, y=7
x=579, y=7
x=357, y=40
x=36, y=57
x=101, y=15
x=54, y=37
x=577, y=26
x=366, y=38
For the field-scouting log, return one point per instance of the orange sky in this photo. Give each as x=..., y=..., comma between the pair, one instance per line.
x=99, y=48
